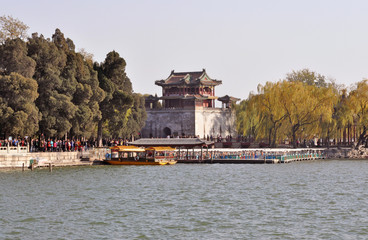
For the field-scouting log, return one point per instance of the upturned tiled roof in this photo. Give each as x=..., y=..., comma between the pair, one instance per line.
x=228, y=98
x=188, y=78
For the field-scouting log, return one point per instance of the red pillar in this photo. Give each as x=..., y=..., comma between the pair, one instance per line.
x=213, y=94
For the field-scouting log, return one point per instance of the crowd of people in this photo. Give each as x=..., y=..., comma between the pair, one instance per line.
x=57, y=145
x=13, y=142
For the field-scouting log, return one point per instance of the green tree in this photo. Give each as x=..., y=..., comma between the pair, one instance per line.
x=74, y=95
x=118, y=100
x=80, y=82
x=55, y=91
x=13, y=58
x=308, y=77
x=137, y=117
x=19, y=115
x=68, y=86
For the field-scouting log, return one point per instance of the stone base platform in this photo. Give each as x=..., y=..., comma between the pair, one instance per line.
x=44, y=159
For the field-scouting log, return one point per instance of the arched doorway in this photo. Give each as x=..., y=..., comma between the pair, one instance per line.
x=167, y=131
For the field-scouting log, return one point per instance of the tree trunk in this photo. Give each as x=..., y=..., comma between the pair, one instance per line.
x=269, y=137
x=294, y=139
x=362, y=137
x=294, y=130
x=99, y=134
x=274, y=137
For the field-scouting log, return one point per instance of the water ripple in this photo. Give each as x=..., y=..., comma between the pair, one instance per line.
x=306, y=200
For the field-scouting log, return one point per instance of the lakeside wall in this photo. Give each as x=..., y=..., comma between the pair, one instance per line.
x=58, y=159
x=15, y=157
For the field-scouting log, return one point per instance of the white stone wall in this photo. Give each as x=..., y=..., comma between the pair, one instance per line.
x=199, y=122
x=178, y=121
x=215, y=122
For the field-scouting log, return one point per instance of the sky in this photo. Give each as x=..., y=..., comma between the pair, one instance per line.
x=243, y=43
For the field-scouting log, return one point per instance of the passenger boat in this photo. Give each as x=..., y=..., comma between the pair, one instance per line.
x=165, y=155
x=131, y=155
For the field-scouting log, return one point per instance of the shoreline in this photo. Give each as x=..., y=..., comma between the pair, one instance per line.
x=100, y=163
x=95, y=157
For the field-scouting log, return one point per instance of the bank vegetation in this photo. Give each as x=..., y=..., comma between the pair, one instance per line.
x=303, y=107
x=49, y=88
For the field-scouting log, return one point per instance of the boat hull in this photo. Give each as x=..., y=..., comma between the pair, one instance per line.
x=127, y=162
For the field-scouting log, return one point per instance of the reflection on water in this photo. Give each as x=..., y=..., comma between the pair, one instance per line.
x=304, y=200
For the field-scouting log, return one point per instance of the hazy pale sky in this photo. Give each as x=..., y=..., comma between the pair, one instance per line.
x=243, y=43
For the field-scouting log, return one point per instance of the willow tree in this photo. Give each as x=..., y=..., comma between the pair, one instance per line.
x=358, y=103
x=272, y=108
x=305, y=105
x=248, y=117
x=342, y=115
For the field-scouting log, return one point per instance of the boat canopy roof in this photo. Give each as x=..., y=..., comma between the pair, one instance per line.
x=127, y=149
x=171, y=142
x=160, y=149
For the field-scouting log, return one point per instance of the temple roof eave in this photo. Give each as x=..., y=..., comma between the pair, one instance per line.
x=187, y=84
x=188, y=79
x=212, y=83
x=228, y=98
x=187, y=97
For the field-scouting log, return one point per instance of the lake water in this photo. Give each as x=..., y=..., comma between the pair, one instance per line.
x=302, y=200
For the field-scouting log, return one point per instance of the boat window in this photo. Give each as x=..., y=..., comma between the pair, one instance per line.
x=124, y=155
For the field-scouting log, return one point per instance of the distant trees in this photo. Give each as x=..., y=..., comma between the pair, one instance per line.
x=48, y=88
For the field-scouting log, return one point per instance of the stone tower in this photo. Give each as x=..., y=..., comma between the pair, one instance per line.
x=188, y=108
